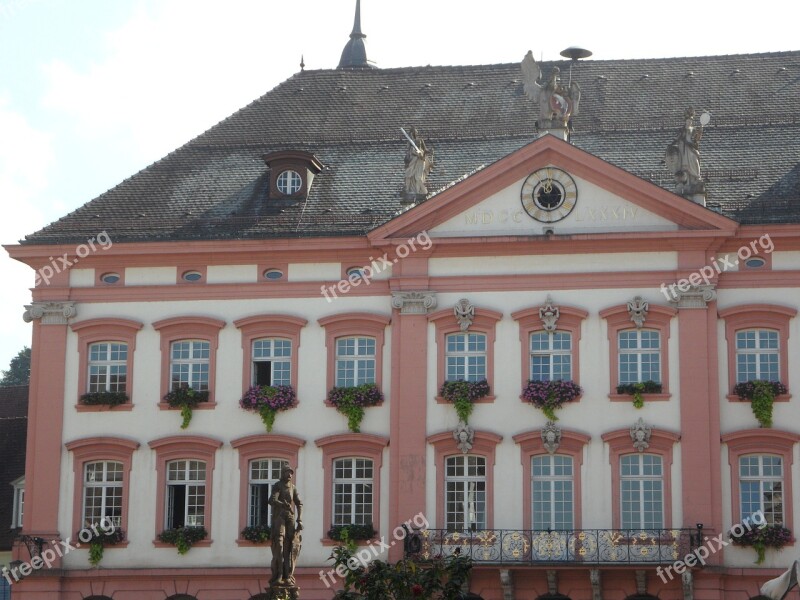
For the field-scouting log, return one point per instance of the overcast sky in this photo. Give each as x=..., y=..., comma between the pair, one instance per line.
x=91, y=91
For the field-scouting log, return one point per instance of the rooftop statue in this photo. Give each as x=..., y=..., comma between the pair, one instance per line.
x=419, y=162
x=683, y=157
x=557, y=102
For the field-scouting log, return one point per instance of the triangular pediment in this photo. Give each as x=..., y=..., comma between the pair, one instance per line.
x=550, y=186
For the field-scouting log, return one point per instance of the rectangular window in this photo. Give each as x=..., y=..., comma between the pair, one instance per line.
x=465, y=492
x=108, y=367
x=264, y=473
x=761, y=487
x=639, y=356
x=465, y=356
x=352, y=491
x=189, y=364
x=552, y=492
x=186, y=494
x=102, y=493
x=355, y=361
x=272, y=362
x=551, y=356
x=19, y=503
x=642, y=489
x=757, y=355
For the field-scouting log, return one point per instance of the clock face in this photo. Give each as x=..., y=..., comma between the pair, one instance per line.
x=549, y=195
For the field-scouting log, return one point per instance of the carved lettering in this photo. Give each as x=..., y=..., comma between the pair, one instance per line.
x=471, y=218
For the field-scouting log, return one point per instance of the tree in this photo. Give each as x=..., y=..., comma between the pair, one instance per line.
x=19, y=371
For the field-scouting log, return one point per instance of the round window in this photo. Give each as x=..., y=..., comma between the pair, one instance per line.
x=355, y=271
x=110, y=278
x=754, y=263
x=192, y=276
x=289, y=182
x=273, y=274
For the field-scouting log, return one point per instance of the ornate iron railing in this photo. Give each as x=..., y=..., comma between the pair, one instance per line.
x=585, y=546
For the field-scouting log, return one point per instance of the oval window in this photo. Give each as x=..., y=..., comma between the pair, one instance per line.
x=273, y=274
x=289, y=182
x=754, y=263
x=192, y=276
x=110, y=278
x=355, y=271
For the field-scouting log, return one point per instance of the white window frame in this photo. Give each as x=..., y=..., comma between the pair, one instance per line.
x=467, y=364
x=551, y=353
x=19, y=502
x=639, y=352
x=195, y=371
x=549, y=485
x=470, y=497
x=289, y=182
x=182, y=477
x=272, y=352
x=763, y=481
x=260, y=488
x=759, y=351
x=107, y=487
x=640, y=480
x=346, y=481
x=105, y=368
x=362, y=359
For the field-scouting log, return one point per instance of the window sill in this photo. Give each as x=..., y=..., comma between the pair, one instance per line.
x=126, y=407
x=781, y=398
x=201, y=544
x=202, y=406
x=485, y=400
x=109, y=547
x=243, y=543
x=575, y=401
x=647, y=397
x=326, y=403
x=329, y=542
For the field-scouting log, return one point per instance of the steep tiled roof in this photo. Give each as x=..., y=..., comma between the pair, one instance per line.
x=13, y=434
x=216, y=185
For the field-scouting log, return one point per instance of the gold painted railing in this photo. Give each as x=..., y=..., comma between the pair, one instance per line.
x=587, y=546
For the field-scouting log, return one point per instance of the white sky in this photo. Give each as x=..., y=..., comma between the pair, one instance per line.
x=92, y=91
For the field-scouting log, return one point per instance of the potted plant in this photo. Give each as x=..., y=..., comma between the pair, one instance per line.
x=186, y=399
x=463, y=395
x=761, y=538
x=257, y=534
x=101, y=538
x=761, y=395
x=183, y=538
x=638, y=389
x=104, y=398
x=268, y=401
x=351, y=401
x=344, y=533
x=551, y=395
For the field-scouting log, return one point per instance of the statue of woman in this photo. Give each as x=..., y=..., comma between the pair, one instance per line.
x=683, y=155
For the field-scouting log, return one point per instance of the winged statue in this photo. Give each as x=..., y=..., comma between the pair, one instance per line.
x=557, y=103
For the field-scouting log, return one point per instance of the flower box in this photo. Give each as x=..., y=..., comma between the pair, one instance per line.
x=551, y=395
x=463, y=395
x=183, y=538
x=637, y=390
x=104, y=398
x=268, y=401
x=351, y=401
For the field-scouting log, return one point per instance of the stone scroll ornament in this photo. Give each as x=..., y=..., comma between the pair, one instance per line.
x=557, y=102
x=464, y=312
x=638, y=309
x=549, y=315
x=779, y=588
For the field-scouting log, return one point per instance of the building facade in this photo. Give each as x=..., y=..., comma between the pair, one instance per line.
x=285, y=247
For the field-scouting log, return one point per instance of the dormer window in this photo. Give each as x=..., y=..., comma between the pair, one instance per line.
x=291, y=174
x=289, y=182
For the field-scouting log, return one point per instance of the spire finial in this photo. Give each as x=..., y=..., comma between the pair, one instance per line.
x=357, y=22
x=302, y=63
x=354, y=55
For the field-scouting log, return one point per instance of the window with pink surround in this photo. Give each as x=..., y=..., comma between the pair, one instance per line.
x=465, y=482
x=761, y=463
x=641, y=482
x=189, y=354
x=352, y=469
x=354, y=343
x=467, y=355
x=547, y=355
x=101, y=467
x=184, y=483
x=546, y=477
x=105, y=358
x=260, y=459
x=270, y=344
x=636, y=354
x=758, y=344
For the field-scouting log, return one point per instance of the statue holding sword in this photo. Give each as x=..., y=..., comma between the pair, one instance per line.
x=419, y=162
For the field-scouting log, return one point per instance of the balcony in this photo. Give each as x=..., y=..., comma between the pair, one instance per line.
x=577, y=547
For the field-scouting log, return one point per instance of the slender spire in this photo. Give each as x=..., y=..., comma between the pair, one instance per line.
x=354, y=55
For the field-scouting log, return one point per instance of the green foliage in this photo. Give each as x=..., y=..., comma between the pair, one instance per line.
x=95, y=553
x=437, y=579
x=102, y=537
x=186, y=399
x=343, y=533
x=761, y=394
x=638, y=389
x=104, y=398
x=183, y=538
x=351, y=401
x=463, y=395
x=258, y=534
x=19, y=369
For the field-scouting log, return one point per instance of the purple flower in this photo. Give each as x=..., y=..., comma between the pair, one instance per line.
x=276, y=398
